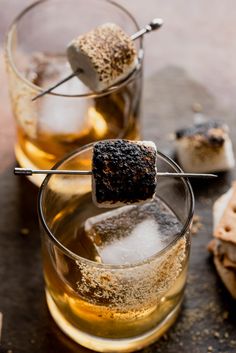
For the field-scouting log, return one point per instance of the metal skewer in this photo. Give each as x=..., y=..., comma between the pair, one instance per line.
x=58, y=84
x=28, y=172
x=156, y=23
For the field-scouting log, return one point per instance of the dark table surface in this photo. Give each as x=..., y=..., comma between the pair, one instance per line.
x=192, y=60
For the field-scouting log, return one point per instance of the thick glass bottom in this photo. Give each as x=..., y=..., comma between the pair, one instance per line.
x=111, y=345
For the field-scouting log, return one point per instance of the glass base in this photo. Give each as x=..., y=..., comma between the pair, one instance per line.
x=111, y=345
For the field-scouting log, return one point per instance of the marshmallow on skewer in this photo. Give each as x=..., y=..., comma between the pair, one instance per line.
x=104, y=56
x=205, y=147
x=124, y=172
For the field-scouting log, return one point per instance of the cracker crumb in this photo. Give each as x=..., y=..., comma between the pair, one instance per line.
x=232, y=343
x=24, y=231
x=170, y=137
x=197, y=225
x=197, y=107
x=225, y=315
x=216, y=334
x=210, y=349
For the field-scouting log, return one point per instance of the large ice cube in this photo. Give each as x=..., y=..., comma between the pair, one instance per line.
x=132, y=233
x=58, y=115
x=64, y=115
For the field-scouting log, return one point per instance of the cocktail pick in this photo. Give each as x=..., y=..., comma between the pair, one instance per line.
x=156, y=23
x=28, y=172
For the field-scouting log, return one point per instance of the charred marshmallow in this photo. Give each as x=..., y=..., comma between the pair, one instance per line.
x=124, y=172
x=205, y=148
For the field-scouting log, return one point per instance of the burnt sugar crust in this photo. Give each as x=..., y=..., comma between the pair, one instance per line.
x=211, y=132
x=124, y=172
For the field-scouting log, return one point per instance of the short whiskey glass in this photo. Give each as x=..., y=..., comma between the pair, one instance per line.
x=114, y=278
x=72, y=115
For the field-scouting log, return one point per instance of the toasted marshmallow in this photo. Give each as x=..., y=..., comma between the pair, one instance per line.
x=104, y=55
x=205, y=147
x=124, y=172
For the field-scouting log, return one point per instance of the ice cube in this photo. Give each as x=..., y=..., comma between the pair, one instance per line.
x=64, y=115
x=132, y=233
x=57, y=114
x=134, y=247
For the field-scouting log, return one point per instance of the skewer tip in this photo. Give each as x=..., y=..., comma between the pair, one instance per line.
x=39, y=95
x=22, y=171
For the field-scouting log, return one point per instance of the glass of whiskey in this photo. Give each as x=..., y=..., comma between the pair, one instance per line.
x=72, y=115
x=114, y=278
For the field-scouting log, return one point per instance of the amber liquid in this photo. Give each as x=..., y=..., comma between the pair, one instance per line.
x=54, y=126
x=98, y=314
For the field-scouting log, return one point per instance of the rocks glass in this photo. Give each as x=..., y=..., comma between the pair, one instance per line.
x=114, y=278
x=72, y=115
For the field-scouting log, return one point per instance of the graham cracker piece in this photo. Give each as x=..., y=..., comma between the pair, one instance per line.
x=225, y=268
x=226, y=228
x=212, y=246
x=228, y=263
x=228, y=276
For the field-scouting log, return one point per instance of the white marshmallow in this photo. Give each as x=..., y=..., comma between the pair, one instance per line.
x=105, y=56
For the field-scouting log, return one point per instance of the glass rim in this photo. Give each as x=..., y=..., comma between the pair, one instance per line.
x=74, y=256
x=114, y=88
